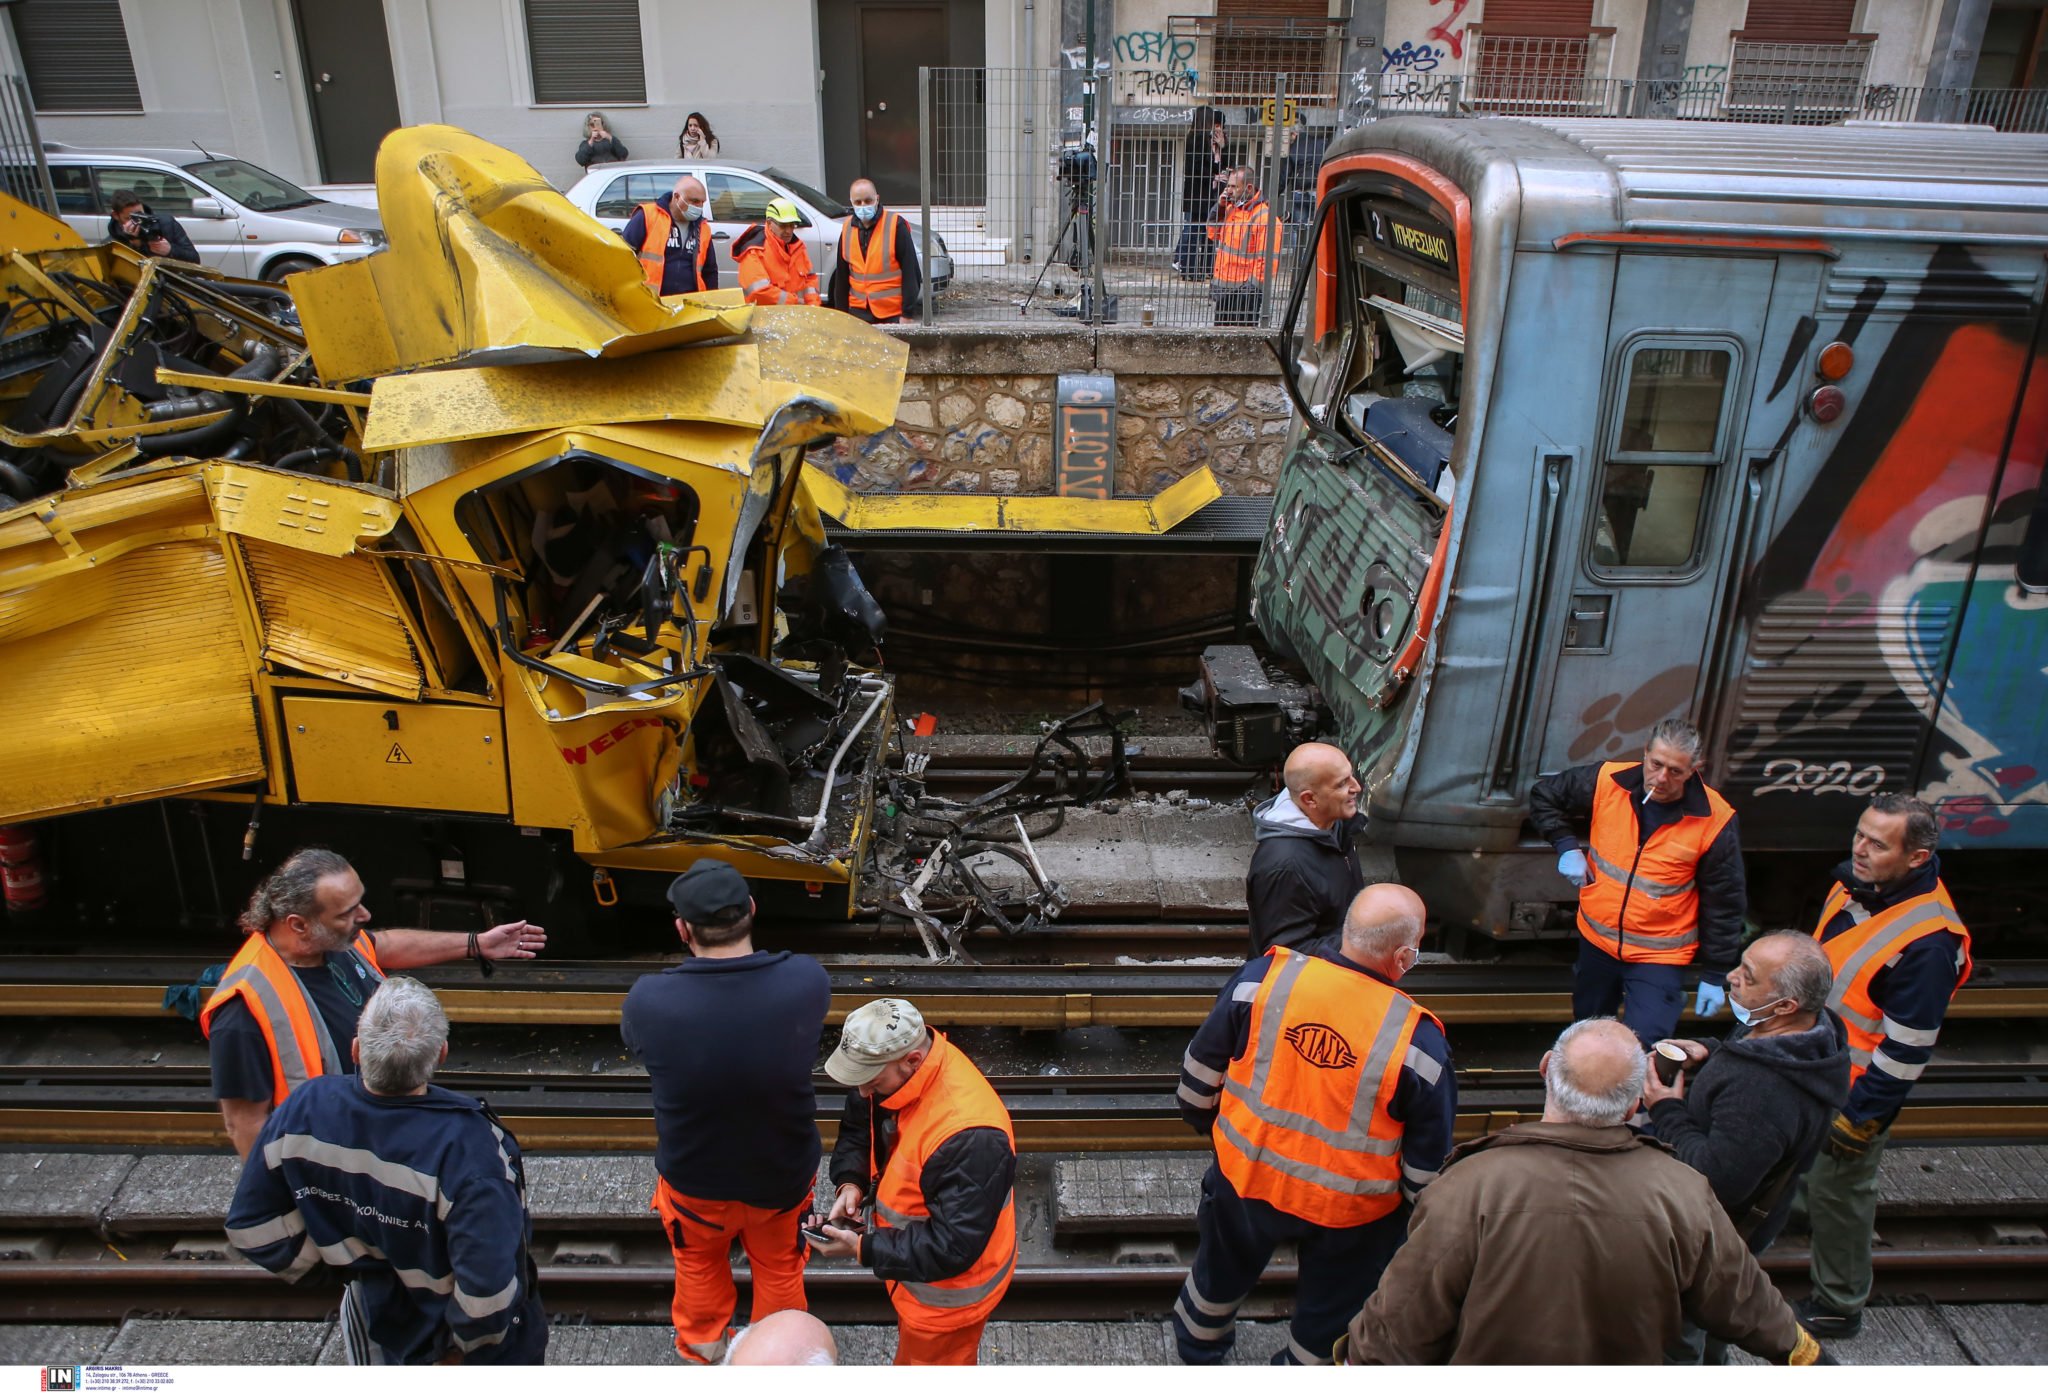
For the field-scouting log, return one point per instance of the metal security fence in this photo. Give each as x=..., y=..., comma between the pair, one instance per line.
x=23, y=171
x=1050, y=215
x=1061, y=198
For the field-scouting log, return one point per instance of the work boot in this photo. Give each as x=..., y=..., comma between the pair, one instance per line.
x=1825, y=1322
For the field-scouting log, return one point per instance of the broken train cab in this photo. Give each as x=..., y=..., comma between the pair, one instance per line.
x=568, y=625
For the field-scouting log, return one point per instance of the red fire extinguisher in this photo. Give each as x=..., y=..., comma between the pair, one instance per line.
x=21, y=868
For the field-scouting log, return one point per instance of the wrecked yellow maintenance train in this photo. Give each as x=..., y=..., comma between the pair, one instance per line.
x=474, y=559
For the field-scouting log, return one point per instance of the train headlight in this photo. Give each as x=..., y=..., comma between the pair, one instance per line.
x=1835, y=361
x=1826, y=403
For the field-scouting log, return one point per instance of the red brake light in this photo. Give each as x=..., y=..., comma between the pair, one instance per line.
x=1826, y=403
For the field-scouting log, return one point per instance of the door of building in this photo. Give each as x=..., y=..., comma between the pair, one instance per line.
x=895, y=40
x=346, y=56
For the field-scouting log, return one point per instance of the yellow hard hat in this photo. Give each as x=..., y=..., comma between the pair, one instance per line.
x=782, y=210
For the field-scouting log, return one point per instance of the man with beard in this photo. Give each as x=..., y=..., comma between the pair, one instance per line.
x=287, y=1009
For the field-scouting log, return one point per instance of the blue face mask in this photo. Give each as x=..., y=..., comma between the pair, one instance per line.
x=692, y=212
x=1743, y=1014
x=867, y=212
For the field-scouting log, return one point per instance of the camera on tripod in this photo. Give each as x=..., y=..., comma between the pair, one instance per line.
x=1077, y=165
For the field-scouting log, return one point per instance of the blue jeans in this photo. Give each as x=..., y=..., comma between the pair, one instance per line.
x=1648, y=995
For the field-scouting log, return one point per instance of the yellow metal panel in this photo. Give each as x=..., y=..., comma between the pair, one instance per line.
x=720, y=384
x=301, y=511
x=125, y=682
x=486, y=259
x=829, y=356
x=26, y=228
x=334, y=616
x=967, y=512
x=390, y=755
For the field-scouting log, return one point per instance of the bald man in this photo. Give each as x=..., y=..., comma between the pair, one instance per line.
x=1329, y=1095
x=1305, y=870
x=1573, y=1240
x=787, y=1337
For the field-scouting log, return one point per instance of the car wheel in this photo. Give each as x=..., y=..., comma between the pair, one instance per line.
x=289, y=266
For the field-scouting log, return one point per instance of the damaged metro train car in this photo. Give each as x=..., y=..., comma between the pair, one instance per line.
x=1604, y=421
x=500, y=574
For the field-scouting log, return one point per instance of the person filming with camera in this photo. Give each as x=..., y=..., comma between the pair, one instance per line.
x=152, y=234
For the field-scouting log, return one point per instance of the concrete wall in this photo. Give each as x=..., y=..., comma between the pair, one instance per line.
x=978, y=405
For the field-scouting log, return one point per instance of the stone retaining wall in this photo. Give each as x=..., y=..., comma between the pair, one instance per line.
x=977, y=410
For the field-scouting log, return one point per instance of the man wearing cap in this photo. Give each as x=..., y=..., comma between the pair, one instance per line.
x=774, y=264
x=729, y=1037
x=922, y=1118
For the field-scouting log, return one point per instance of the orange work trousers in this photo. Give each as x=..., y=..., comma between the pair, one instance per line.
x=700, y=1235
x=915, y=1346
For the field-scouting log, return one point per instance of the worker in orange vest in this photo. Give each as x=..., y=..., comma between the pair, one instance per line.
x=774, y=265
x=675, y=251
x=1330, y=1099
x=945, y=1233
x=287, y=1009
x=1900, y=953
x=1244, y=231
x=876, y=276
x=1660, y=880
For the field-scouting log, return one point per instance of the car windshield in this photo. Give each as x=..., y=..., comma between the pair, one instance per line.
x=253, y=188
x=817, y=198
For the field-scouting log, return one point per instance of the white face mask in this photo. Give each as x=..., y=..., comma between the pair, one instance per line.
x=692, y=211
x=867, y=212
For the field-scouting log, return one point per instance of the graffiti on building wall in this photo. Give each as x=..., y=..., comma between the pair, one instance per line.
x=1699, y=80
x=1411, y=57
x=1157, y=82
x=1453, y=38
x=1155, y=48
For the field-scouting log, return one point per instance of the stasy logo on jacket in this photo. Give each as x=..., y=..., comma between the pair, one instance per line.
x=1320, y=1046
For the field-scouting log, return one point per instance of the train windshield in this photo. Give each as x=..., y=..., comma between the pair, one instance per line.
x=1379, y=356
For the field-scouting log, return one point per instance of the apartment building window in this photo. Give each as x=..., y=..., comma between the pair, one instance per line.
x=1799, y=57
x=585, y=52
x=76, y=53
x=1532, y=52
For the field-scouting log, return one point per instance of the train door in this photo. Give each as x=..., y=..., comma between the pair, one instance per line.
x=1639, y=575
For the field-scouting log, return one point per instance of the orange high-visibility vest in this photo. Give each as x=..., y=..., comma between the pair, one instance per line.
x=774, y=272
x=1863, y=950
x=1651, y=888
x=874, y=280
x=300, y=1047
x=654, y=246
x=1241, y=241
x=1303, y=1121
x=945, y=1096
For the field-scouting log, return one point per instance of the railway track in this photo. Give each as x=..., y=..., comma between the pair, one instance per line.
x=1050, y=995
x=170, y=1105
x=607, y=1261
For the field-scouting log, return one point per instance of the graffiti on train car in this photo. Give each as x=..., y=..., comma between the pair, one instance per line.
x=1918, y=642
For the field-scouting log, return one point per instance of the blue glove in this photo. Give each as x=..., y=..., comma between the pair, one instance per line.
x=1572, y=866
x=1712, y=997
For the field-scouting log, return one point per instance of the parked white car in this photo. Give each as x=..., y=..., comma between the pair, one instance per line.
x=243, y=220
x=738, y=194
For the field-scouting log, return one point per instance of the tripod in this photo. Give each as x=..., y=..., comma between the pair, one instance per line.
x=1083, y=253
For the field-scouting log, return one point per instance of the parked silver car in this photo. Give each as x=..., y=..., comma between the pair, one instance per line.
x=242, y=220
x=738, y=193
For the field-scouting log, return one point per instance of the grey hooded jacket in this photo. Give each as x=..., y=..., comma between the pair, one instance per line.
x=1302, y=877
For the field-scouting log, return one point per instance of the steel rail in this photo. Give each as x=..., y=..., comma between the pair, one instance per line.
x=640, y=1292
x=1054, y=997
x=1083, y=1123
